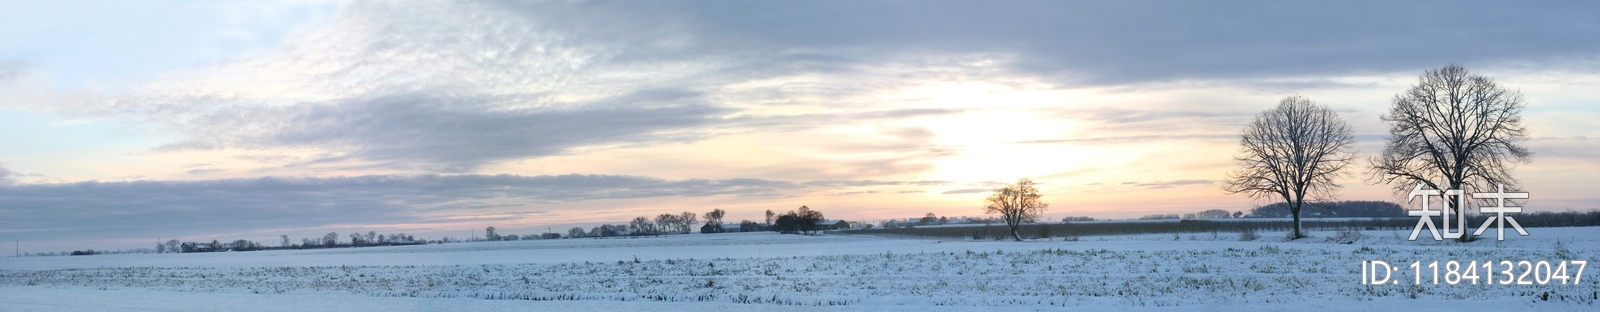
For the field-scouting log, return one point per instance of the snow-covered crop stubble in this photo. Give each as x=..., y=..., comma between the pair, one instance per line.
x=763, y=268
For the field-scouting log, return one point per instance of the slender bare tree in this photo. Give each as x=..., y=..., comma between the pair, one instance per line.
x=686, y=222
x=1017, y=204
x=1453, y=129
x=1292, y=152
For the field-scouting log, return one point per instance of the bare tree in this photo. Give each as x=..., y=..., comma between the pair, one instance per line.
x=807, y=219
x=1292, y=152
x=576, y=232
x=641, y=226
x=770, y=215
x=714, y=220
x=666, y=222
x=1017, y=204
x=330, y=240
x=686, y=221
x=285, y=240
x=1453, y=129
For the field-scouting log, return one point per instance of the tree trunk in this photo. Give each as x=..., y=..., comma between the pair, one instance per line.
x=1295, y=210
x=1466, y=236
x=1014, y=234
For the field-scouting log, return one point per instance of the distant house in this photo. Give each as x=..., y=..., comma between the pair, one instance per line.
x=833, y=224
x=730, y=228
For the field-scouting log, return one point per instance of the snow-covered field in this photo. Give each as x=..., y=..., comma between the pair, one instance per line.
x=767, y=271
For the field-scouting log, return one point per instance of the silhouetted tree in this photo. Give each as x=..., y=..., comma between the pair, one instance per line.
x=607, y=230
x=1452, y=130
x=330, y=240
x=714, y=220
x=1017, y=204
x=788, y=223
x=244, y=245
x=575, y=232
x=686, y=222
x=1292, y=152
x=808, y=219
x=641, y=226
x=666, y=222
x=800, y=221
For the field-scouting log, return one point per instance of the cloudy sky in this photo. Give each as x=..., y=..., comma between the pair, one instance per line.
x=123, y=122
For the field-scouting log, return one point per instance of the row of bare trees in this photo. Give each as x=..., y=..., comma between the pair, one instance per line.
x=1452, y=129
x=371, y=238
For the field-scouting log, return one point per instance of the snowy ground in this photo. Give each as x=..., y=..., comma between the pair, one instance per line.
x=766, y=271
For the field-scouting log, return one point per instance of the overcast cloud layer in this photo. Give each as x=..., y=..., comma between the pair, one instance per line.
x=402, y=112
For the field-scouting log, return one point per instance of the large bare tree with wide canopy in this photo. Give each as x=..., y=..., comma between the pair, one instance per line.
x=1292, y=152
x=1017, y=204
x=1452, y=129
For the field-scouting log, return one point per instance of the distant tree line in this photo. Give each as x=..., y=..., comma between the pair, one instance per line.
x=1343, y=209
x=331, y=240
x=800, y=221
